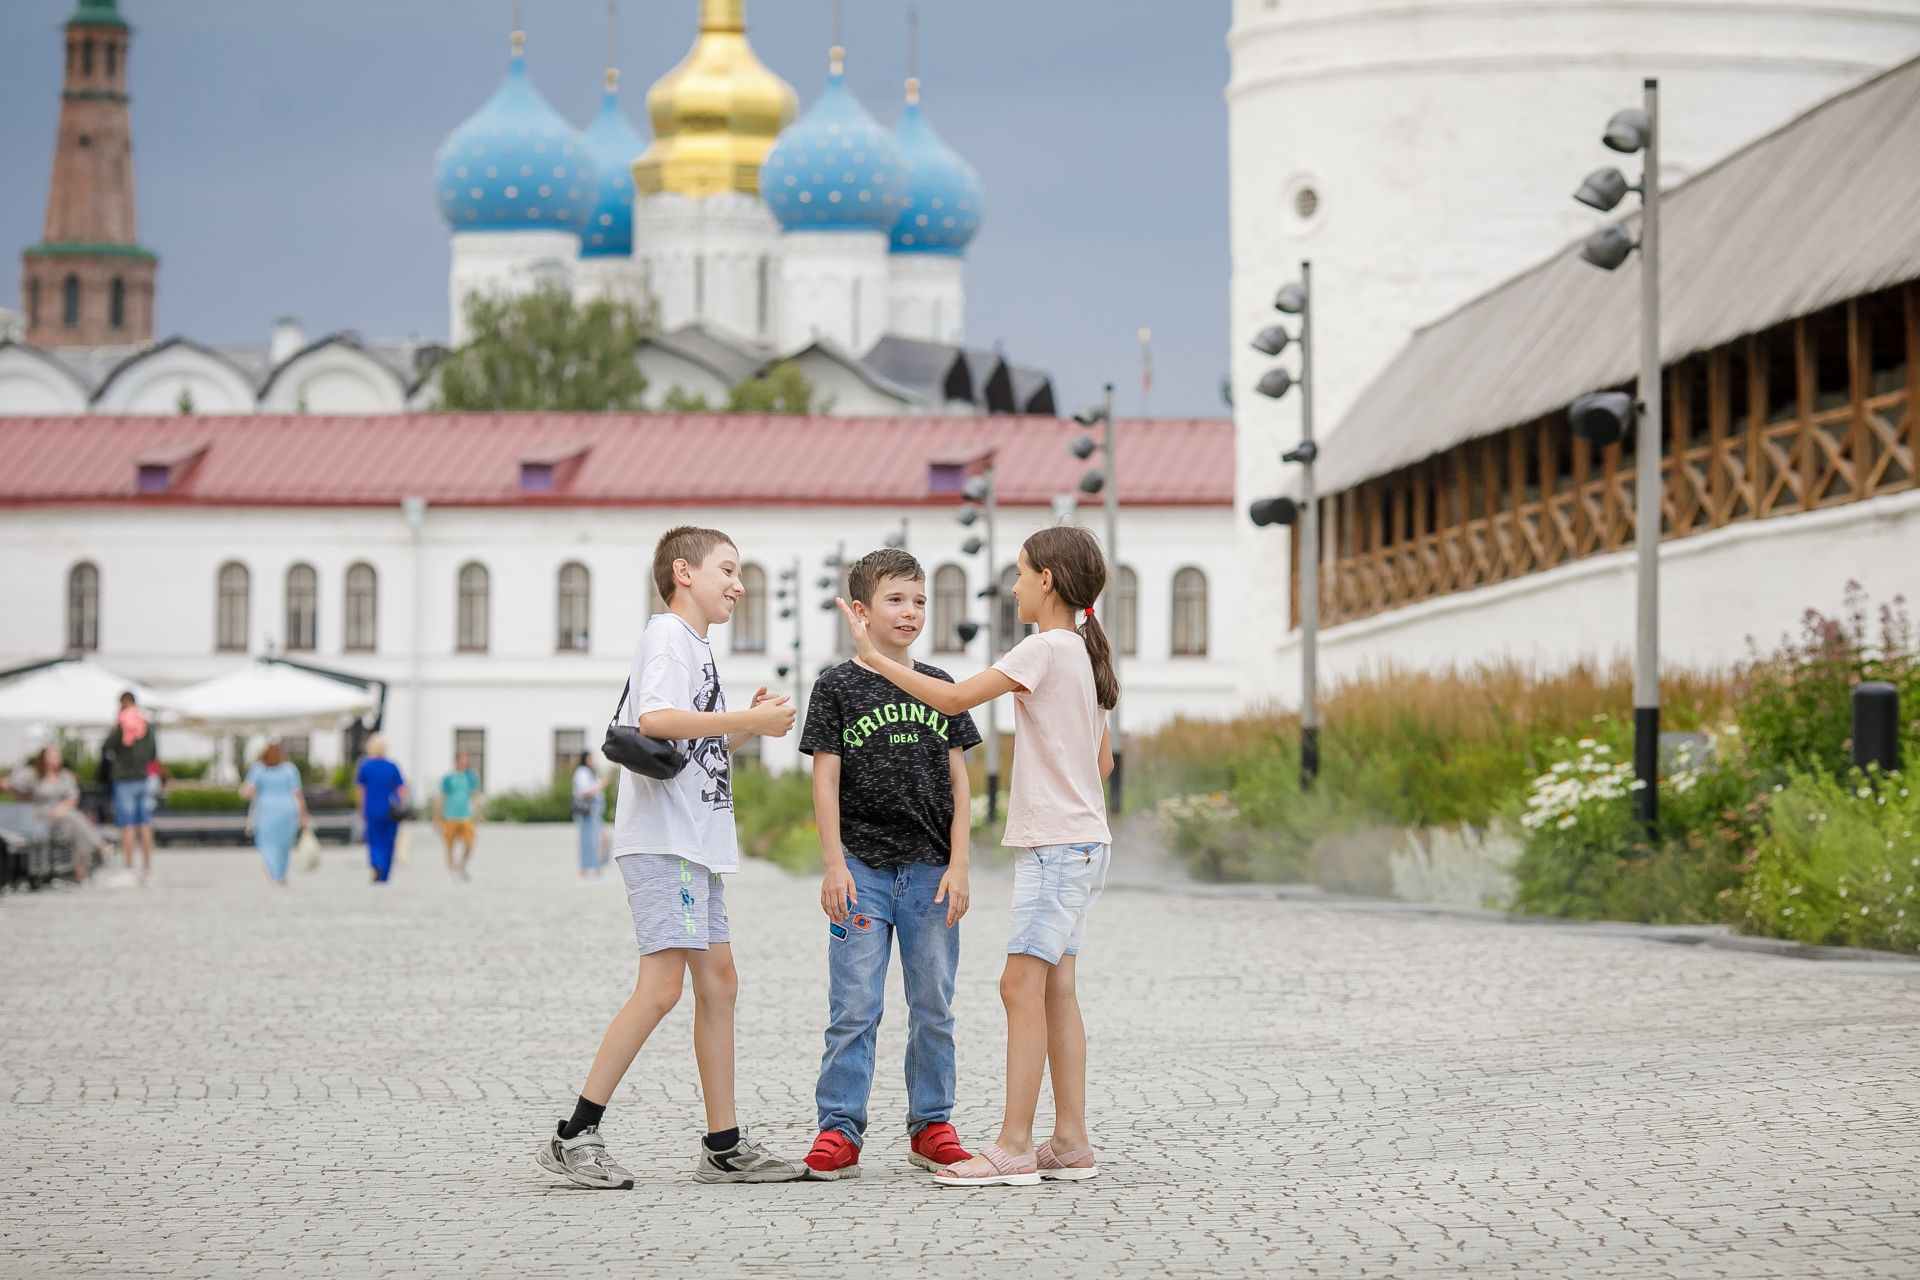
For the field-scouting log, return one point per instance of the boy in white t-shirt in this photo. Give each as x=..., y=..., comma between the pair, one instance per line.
x=673, y=839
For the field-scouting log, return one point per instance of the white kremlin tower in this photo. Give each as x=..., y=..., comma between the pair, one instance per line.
x=1420, y=152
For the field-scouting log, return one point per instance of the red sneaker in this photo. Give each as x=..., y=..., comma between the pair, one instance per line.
x=834, y=1156
x=936, y=1147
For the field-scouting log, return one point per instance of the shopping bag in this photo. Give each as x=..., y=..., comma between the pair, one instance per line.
x=308, y=849
x=402, y=845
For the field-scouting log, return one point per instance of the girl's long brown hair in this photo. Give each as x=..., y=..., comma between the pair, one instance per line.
x=1079, y=571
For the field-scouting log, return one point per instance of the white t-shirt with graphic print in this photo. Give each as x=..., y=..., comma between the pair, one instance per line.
x=690, y=815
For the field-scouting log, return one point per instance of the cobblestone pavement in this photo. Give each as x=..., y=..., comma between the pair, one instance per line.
x=213, y=1078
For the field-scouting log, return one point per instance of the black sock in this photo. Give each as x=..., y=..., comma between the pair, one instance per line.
x=724, y=1140
x=586, y=1115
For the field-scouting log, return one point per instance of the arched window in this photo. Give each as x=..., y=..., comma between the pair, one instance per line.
x=113, y=61
x=1011, y=632
x=363, y=610
x=86, y=58
x=232, y=618
x=472, y=634
x=576, y=601
x=750, y=615
x=117, y=304
x=1189, y=613
x=70, y=302
x=303, y=608
x=949, y=606
x=1123, y=620
x=83, y=608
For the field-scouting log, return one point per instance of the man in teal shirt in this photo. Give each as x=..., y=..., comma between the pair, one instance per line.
x=455, y=810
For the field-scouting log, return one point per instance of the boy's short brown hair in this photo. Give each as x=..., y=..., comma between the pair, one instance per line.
x=686, y=542
x=866, y=574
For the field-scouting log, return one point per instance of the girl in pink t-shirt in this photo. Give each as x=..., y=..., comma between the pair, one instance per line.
x=1063, y=682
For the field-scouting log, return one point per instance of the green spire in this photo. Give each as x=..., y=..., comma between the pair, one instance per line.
x=97, y=13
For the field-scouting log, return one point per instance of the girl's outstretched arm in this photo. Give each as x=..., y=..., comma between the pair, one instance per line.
x=947, y=698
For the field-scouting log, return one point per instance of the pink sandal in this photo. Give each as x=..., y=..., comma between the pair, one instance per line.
x=1065, y=1166
x=1003, y=1171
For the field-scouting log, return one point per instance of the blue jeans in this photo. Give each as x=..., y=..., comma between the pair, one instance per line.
x=892, y=903
x=587, y=828
x=132, y=804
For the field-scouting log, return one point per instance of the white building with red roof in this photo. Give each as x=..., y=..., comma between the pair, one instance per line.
x=502, y=616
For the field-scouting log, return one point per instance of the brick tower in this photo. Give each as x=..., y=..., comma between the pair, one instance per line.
x=88, y=283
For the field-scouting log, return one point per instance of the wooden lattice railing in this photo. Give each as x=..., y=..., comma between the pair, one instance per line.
x=1814, y=413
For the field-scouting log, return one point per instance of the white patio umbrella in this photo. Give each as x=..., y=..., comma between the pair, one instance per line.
x=71, y=695
x=266, y=697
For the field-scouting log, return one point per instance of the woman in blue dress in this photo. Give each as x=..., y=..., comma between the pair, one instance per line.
x=278, y=809
x=383, y=802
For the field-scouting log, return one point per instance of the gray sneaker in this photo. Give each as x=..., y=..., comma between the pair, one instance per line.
x=748, y=1161
x=583, y=1159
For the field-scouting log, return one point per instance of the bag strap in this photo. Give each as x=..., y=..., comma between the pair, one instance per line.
x=621, y=706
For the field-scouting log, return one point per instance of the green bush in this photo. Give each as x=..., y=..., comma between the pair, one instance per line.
x=554, y=804
x=1795, y=704
x=190, y=770
x=774, y=816
x=204, y=800
x=1839, y=864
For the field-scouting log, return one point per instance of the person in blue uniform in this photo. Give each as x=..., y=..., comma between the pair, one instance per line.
x=383, y=802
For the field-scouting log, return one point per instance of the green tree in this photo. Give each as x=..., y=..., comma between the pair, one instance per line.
x=541, y=351
x=781, y=389
x=678, y=401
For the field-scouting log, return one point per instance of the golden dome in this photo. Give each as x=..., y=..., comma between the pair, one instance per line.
x=716, y=115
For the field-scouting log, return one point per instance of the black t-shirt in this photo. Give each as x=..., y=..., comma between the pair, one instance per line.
x=896, y=794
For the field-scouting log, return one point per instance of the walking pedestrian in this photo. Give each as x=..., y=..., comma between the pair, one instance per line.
x=589, y=815
x=129, y=755
x=277, y=809
x=382, y=794
x=456, y=811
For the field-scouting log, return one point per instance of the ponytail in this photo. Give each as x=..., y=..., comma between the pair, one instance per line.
x=1106, y=683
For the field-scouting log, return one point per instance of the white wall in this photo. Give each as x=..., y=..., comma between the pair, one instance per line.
x=157, y=606
x=1443, y=139
x=1717, y=590
x=155, y=382
x=335, y=378
x=845, y=393
x=507, y=263
x=31, y=383
x=833, y=285
x=927, y=297
x=702, y=257
x=664, y=371
x=615, y=279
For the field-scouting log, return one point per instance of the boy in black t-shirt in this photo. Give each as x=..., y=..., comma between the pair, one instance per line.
x=891, y=799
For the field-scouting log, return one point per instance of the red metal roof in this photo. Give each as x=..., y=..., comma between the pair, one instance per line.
x=455, y=459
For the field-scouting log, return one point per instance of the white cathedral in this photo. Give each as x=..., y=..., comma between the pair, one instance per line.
x=745, y=233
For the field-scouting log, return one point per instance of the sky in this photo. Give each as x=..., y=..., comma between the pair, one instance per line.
x=284, y=154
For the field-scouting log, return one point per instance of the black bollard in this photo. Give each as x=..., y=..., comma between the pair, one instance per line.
x=1876, y=726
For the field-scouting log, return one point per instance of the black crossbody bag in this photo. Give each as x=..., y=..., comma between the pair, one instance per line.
x=626, y=746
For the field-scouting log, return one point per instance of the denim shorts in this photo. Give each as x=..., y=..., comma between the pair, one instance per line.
x=132, y=804
x=1054, y=886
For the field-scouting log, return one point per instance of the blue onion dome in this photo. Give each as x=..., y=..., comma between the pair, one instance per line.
x=836, y=168
x=941, y=210
x=612, y=146
x=515, y=164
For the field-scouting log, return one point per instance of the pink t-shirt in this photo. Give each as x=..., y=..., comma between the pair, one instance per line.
x=1055, y=796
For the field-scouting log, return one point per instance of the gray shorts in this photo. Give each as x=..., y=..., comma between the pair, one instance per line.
x=675, y=903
